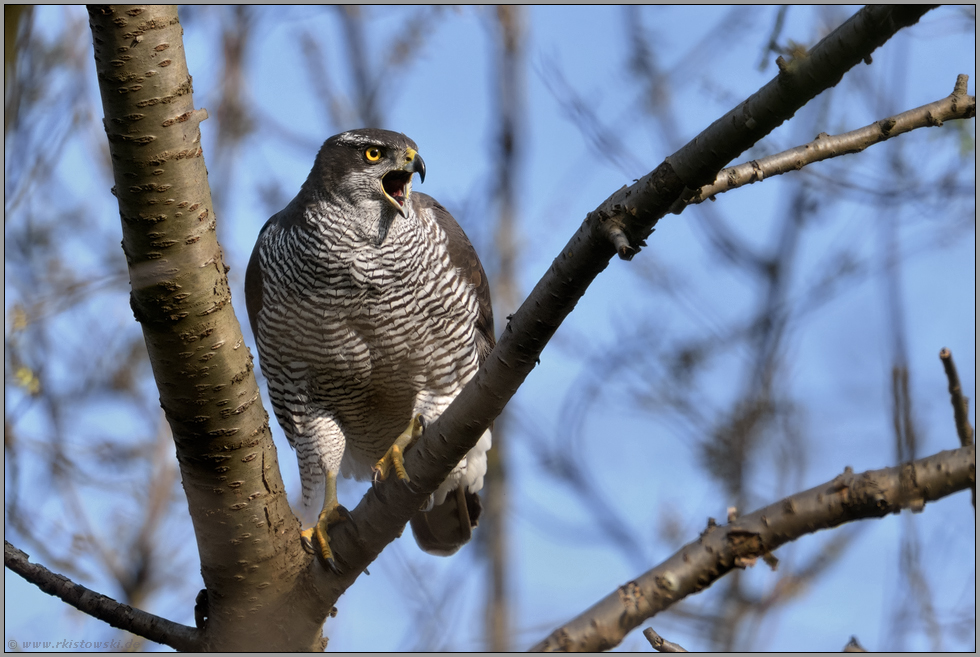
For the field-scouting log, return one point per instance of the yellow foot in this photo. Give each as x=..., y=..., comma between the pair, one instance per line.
x=316, y=539
x=394, y=458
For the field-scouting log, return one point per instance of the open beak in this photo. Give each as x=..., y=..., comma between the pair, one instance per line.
x=397, y=183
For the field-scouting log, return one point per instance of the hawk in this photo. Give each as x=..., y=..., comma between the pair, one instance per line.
x=371, y=311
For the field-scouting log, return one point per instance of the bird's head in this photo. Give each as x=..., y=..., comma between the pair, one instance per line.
x=369, y=167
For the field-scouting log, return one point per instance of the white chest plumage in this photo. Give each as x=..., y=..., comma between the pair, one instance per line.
x=382, y=331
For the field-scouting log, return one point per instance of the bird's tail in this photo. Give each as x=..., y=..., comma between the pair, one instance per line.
x=446, y=527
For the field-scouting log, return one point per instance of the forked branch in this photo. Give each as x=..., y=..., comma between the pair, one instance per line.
x=958, y=105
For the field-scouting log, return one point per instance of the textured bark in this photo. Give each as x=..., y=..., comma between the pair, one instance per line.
x=246, y=533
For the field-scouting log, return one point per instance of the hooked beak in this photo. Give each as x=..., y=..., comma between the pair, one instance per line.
x=397, y=183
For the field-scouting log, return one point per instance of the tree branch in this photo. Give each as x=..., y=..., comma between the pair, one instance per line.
x=720, y=549
x=383, y=512
x=661, y=644
x=958, y=105
x=124, y=617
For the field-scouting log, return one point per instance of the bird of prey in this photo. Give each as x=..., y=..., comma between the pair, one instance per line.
x=371, y=311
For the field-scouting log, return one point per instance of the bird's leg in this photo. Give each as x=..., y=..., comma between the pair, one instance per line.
x=316, y=539
x=395, y=456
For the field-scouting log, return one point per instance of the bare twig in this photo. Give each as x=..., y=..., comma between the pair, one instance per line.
x=961, y=406
x=721, y=549
x=957, y=105
x=773, y=45
x=659, y=643
x=141, y=623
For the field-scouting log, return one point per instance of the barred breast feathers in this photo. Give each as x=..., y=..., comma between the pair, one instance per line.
x=363, y=312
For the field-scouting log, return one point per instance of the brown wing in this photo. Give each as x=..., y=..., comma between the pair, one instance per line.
x=285, y=219
x=464, y=258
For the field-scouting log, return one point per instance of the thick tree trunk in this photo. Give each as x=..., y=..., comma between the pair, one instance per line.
x=251, y=558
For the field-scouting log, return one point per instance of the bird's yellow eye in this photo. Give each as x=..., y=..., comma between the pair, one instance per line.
x=373, y=154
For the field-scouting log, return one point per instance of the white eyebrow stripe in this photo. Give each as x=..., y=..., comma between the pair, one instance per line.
x=350, y=138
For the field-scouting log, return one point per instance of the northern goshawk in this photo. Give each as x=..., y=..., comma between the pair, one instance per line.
x=371, y=311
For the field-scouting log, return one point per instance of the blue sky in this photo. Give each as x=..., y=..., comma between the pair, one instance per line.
x=640, y=461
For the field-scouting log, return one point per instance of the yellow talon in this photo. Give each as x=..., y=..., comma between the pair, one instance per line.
x=316, y=539
x=395, y=456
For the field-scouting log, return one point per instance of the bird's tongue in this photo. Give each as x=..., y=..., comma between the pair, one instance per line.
x=394, y=185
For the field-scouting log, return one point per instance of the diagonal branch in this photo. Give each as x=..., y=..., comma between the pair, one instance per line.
x=720, y=549
x=621, y=223
x=958, y=105
x=124, y=617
